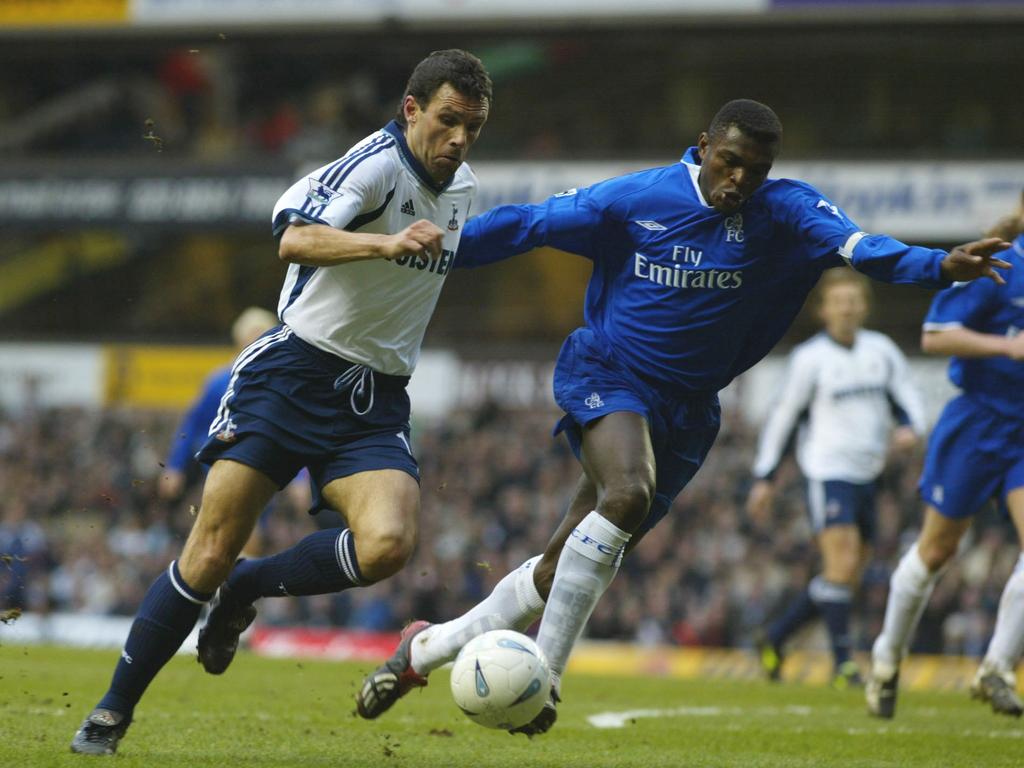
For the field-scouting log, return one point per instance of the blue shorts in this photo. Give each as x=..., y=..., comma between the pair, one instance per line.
x=838, y=502
x=589, y=383
x=974, y=454
x=289, y=405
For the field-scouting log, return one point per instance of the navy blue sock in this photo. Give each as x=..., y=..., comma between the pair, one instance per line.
x=322, y=563
x=799, y=612
x=167, y=614
x=834, y=601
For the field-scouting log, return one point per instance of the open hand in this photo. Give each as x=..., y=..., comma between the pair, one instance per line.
x=973, y=260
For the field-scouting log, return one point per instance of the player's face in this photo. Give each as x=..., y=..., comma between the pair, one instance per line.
x=843, y=309
x=732, y=168
x=440, y=133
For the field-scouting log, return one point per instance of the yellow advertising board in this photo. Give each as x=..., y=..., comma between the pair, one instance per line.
x=809, y=667
x=47, y=13
x=158, y=376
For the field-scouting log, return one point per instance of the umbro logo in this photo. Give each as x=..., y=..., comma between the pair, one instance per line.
x=653, y=226
x=822, y=203
x=408, y=208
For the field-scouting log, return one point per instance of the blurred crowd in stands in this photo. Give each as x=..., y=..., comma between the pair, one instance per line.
x=308, y=96
x=84, y=529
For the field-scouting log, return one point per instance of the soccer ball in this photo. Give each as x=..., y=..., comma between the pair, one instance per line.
x=501, y=679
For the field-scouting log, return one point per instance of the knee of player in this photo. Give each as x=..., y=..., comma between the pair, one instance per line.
x=936, y=552
x=626, y=503
x=384, y=553
x=842, y=567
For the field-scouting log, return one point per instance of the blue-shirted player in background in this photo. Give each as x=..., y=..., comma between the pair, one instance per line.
x=699, y=269
x=976, y=453
x=182, y=468
x=193, y=430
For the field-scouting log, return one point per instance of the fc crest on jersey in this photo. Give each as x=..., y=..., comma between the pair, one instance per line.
x=320, y=193
x=734, y=229
x=453, y=222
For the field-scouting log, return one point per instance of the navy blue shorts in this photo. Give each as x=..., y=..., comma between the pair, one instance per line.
x=589, y=383
x=838, y=502
x=974, y=454
x=289, y=405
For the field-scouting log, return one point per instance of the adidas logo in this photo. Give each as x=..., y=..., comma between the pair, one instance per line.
x=408, y=208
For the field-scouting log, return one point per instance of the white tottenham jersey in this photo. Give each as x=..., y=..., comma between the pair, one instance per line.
x=372, y=312
x=842, y=400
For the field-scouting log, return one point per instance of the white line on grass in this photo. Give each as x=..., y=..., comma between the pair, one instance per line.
x=619, y=719
x=629, y=716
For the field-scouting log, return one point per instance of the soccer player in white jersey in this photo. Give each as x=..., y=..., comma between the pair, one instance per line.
x=843, y=392
x=975, y=454
x=369, y=239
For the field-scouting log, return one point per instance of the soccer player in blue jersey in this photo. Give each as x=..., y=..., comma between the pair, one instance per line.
x=846, y=394
x=699, y=268
x=975, y=453
x=369, y=240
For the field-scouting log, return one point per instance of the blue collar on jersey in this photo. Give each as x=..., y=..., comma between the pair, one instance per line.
x=399, y=133
x=690, y=156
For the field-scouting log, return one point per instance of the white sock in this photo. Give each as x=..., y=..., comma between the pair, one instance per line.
x=514, y=604
x=909, y=589
x=587, y=565
x=1008, y=640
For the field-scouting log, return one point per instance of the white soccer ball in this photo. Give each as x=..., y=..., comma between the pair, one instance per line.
x=501, y=679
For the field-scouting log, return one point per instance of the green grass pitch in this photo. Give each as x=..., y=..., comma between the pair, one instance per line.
x=288, y=713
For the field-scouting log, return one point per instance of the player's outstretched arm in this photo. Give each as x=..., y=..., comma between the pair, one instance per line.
x=569, y=221
x=964, y=342
x=318, y=245
x=976, y=259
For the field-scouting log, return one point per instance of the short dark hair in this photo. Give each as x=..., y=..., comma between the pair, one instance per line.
x=753, y=118
x=460, y=69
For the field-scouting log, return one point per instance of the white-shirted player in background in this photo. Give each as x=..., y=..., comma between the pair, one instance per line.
x=369, y=239
x=843, y=392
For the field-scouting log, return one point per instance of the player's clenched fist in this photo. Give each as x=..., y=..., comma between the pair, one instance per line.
x=973, y=260
x=418, y=237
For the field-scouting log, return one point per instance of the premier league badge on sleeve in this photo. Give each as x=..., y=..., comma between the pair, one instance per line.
x=320, y=193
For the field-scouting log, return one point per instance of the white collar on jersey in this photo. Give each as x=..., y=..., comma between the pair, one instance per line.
x=695, y=178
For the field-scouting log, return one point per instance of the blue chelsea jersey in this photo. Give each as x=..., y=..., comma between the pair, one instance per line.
x=686, y=297
x=983, y=306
